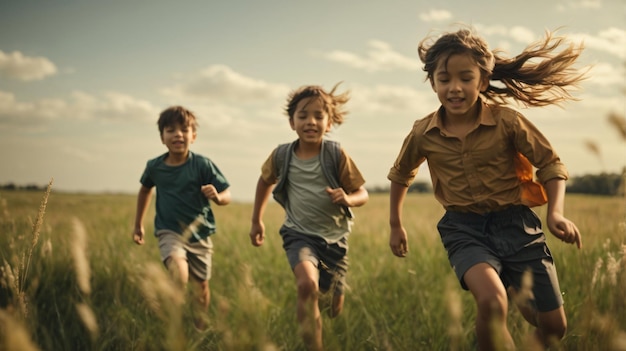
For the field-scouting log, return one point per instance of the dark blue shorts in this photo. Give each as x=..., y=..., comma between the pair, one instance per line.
x=511, y=241
x=330, y=259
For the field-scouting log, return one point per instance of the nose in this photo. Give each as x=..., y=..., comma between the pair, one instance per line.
x=311, y=120
x=455, y=85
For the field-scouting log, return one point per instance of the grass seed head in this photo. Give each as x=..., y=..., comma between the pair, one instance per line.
x=78, y=249
x=88, y=318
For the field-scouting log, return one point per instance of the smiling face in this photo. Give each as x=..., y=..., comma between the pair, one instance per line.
x=177, y=138
x=310, y=120
x=458, y=83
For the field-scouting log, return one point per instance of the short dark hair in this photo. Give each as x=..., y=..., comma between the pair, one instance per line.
x=177, y=115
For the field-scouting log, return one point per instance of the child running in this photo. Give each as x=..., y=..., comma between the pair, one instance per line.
x=316, y=182
x=185, y=182
x=479, y=154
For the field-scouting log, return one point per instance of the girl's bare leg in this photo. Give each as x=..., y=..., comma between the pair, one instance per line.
x=490, y=295
x=550, y=326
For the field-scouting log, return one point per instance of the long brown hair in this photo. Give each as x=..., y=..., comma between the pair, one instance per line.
x=523, y=78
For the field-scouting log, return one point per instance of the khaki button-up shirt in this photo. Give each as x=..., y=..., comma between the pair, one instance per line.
x=476, y=174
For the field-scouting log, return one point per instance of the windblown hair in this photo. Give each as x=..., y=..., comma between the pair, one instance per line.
x=333, y=103
x=539, y=76
x=174, y=115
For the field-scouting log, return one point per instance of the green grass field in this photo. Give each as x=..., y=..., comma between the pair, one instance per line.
x=72, y=279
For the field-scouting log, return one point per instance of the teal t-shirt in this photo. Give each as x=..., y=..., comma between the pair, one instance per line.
x=179, y=201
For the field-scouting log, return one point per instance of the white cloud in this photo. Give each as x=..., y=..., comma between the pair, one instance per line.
x=80, y=105
x=17, y=66
x=119, y=106
x=485, y=30
x=579, y=4
x=605, y=74
x=13, y=111
x=391, y=100
x=220, y=82
x=435, y=15
x=611, y=40
x=380, y=57
x=522, y=34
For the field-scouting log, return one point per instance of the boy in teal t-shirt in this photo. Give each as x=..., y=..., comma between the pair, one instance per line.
x=185, y=182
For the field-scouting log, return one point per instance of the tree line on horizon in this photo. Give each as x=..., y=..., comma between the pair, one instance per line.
x=607, y=184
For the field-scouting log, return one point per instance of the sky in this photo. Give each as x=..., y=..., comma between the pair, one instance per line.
x=82, y=82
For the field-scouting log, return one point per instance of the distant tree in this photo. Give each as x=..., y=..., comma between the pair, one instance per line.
x=598, y=184
x=9, y=186
x=420, y=187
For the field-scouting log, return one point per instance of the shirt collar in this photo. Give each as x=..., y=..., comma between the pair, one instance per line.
x=485, y=117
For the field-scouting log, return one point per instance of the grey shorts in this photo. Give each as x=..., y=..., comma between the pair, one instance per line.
x=198, y=254
x=511, y=241
x=330, y=259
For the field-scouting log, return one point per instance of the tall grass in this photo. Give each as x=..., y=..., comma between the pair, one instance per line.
x=89, y=287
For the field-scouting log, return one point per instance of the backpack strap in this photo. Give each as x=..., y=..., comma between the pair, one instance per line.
x=330, y=159
x=281, y=160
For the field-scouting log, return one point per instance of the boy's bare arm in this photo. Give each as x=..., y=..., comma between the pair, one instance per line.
x=212, y=194
x=257, y=230
x=354, y=199
x=143, y=200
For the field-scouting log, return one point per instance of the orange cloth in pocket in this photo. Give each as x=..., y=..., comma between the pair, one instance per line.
x=533, y=193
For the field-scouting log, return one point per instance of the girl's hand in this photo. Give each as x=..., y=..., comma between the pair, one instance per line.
x=398, y=241
x=564, y=229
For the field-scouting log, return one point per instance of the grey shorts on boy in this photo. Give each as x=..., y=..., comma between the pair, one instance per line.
x=198, y=254
x=330, y=259
x=511, y=241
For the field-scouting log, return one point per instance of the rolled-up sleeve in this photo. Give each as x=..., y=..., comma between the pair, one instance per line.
x=409, y=159
x=534, y=145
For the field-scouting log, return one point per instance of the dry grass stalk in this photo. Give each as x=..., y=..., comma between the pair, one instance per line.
x=78, y=248
x=595, y=150
x=9, y=279
x=88, y=318
x=46, y=249
x=192, y=227
x=455, y=311
x=612, y=268
x=252, y=306
x=5, y=209
x=13, y=335
x=619, y=342
x=619, y=122
x=597, y=276
x=36, y=229
x=165, y=298
x=525, y=295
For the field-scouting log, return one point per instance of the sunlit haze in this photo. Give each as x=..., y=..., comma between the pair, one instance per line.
x=82, y=82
